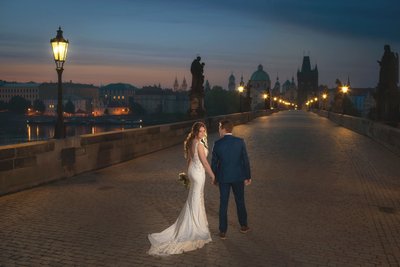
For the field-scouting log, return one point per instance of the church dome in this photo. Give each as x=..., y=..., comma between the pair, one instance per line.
x=260, y=75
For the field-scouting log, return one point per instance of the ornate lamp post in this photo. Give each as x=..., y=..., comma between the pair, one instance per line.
x=60, y=48
x=265, y=96
x=324, y=97
x=240, y=89
x=345, y=90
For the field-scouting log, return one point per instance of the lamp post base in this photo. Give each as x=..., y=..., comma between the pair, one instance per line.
x=60, y=131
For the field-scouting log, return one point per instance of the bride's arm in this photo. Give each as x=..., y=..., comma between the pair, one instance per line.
x=203, y=159
x=188, y=160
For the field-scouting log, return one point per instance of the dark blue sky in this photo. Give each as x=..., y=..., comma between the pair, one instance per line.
x=145, y=42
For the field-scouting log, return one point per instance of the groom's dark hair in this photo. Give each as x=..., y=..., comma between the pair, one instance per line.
x=227, y=125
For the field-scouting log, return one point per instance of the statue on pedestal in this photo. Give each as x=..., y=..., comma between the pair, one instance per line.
x=387, y=96
x=197, y=90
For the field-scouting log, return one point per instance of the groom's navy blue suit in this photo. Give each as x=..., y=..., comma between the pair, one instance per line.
x=230, y=164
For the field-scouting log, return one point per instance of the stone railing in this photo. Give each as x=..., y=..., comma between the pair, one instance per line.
x=30, y=164
x=383, y=134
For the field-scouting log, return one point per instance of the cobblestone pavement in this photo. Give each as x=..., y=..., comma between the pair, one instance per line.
x=321, y=195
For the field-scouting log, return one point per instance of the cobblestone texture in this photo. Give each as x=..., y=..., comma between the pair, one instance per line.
x=322, y=195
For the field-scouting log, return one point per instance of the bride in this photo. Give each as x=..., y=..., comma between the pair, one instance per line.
x=190, y=231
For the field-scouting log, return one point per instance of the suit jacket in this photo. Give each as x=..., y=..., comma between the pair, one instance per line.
x=230, y=162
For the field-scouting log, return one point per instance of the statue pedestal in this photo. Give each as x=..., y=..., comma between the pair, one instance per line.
x=196, y=106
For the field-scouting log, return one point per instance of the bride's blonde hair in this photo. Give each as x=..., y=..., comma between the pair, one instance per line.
x=191, y=136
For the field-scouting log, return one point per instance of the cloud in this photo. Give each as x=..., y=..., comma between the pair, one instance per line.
x=357, y=18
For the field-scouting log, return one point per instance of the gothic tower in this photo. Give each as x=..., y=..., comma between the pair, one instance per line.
x=176, y=84
x=232, y=83
x=307, y=82
x=184, y=84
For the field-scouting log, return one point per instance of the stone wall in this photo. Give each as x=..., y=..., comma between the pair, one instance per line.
x=383, y=134
x=30, y=164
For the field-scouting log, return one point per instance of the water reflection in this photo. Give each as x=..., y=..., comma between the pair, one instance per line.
x=16, y=130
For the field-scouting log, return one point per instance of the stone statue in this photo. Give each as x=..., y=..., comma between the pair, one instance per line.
x=389, y=67
x=387, y=95
x=197, y=70
x=197, y=90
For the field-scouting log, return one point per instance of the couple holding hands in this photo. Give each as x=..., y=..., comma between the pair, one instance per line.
x=230, y=168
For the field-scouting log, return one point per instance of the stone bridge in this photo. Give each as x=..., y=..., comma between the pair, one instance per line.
x=322, y=195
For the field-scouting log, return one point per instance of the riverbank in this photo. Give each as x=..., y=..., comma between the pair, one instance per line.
x=21, y=128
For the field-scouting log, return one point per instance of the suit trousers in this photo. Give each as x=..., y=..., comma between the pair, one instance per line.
x=238, y=192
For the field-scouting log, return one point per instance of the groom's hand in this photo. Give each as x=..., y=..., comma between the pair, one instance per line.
x=247, y=182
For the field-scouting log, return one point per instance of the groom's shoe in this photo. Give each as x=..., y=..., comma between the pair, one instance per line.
x=244, y=229
x=222, y=235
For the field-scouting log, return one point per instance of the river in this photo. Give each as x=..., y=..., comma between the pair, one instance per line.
x=14, y=128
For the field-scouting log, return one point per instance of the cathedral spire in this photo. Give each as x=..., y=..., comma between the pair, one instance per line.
x=176, y=84
x=184, y=84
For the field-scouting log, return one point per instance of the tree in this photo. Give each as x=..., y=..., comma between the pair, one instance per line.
x=342, y=102
x=69, y=107
x=18, y=104
x=337, y=104
x=39, y=105
x=219, y=101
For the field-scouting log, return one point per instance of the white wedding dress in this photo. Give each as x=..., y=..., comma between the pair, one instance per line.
x=190, y=231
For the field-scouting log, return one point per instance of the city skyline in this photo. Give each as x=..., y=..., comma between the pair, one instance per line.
x=152, y=42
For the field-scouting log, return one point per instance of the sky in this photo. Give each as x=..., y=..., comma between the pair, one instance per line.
x=147, y=42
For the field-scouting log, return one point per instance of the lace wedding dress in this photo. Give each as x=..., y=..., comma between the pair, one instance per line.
x=190, y=231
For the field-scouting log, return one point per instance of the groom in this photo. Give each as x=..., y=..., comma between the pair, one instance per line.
x=230, y=164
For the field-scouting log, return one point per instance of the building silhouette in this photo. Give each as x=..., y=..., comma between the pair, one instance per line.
x=232, y=83
x=307, y=82
x=183, y=86
x=276, y=90
x=259, y=83
x=289, y=90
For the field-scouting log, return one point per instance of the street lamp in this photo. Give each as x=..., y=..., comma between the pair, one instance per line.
x=345, y=90
x=265, y=96
x=324, y=97
x=275, y=102
x=60, y=48
x=240, y=89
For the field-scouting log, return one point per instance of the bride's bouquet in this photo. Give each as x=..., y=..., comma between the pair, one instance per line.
x=184, y=179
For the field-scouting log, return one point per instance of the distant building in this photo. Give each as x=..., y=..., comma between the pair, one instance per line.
x=176, y=84
x=307, y=82
x=29, y=91
x=260, y=83
x=363, y=100
x=83, y=96
x=231, y=83
x=157, y=100
x=289, y=91
x=80, y=104
x=183, y=86
x=117, y=93
x=276, y=90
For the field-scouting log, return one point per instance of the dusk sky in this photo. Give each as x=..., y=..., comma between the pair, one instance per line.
x=146, y=42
